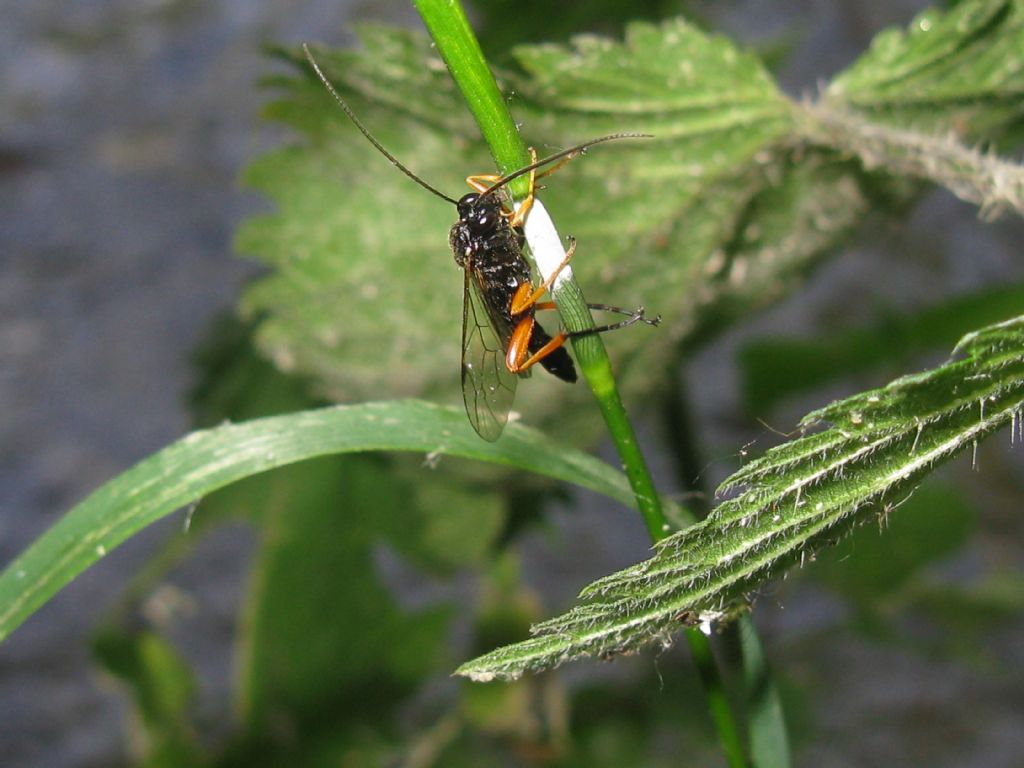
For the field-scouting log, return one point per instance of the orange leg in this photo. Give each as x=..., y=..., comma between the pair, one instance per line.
x=520, y=215
x=515, y=357
x=524, y=298
x=555, y=167
x=483, y=182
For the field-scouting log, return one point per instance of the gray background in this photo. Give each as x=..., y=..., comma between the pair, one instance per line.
x=123, y=127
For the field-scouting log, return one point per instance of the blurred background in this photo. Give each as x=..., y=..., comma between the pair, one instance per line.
x=123, y=129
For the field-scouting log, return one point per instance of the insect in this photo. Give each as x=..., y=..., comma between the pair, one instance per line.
x=501, y=340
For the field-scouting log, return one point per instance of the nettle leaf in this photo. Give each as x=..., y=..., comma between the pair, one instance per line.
x=796, y=498
x=364, y=295
x=961, y=70
x=713, y=214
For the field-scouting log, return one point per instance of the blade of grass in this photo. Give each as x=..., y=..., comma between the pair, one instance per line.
x=769, y=741
x=206, y=460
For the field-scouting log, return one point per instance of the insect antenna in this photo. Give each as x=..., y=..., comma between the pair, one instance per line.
x=571, y=152
x=362, y=128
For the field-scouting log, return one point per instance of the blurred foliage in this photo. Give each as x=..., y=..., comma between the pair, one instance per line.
x=774, y=369
x=359, y=589
x=870, y=568
x=163, y=689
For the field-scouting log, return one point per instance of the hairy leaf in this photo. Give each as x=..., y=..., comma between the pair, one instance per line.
x=798, y=497
x=916, y=102
x=959, y=70
x=722, y=212
x=364, y=295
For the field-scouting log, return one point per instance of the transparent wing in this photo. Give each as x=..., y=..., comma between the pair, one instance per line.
x=488, y=387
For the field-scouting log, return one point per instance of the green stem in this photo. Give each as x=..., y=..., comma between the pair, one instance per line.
x=448, y=26
x=744, y=656
x=993, y=184
x=597, y=369
x=718, y=701
x=460, y=50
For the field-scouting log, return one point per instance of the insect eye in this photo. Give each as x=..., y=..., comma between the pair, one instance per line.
x=467, y=206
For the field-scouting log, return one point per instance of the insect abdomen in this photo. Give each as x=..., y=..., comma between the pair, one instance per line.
x=558, y=362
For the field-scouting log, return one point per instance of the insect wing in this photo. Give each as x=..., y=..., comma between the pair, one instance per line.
x=488, y=386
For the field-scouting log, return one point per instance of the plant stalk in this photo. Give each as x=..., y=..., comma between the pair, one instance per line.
x=993, y=184
x=458, y=46
x=446, y=21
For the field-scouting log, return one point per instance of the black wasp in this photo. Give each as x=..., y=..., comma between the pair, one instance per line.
x=501, y=340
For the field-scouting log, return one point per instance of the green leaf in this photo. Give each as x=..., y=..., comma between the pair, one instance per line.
x=446, y=525
x=908, y=105
x=209, y=459
x=769, y=740
x=364, y=296
x=798, y=497
x=653, y=72
x=321, y=526
x=502, y=24
x=962, y=69
x=716, y=216
x=782, y=230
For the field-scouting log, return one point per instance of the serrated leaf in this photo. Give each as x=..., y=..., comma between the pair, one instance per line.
x=962, y=69
x=365, y=297
x=210, y=459
x=504, y=24
x=796, y=498
x=654, y=71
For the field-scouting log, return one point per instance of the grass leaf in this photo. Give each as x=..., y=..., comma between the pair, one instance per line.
x=206, y=460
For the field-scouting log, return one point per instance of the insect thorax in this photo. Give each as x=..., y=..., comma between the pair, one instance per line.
x=483, y=239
